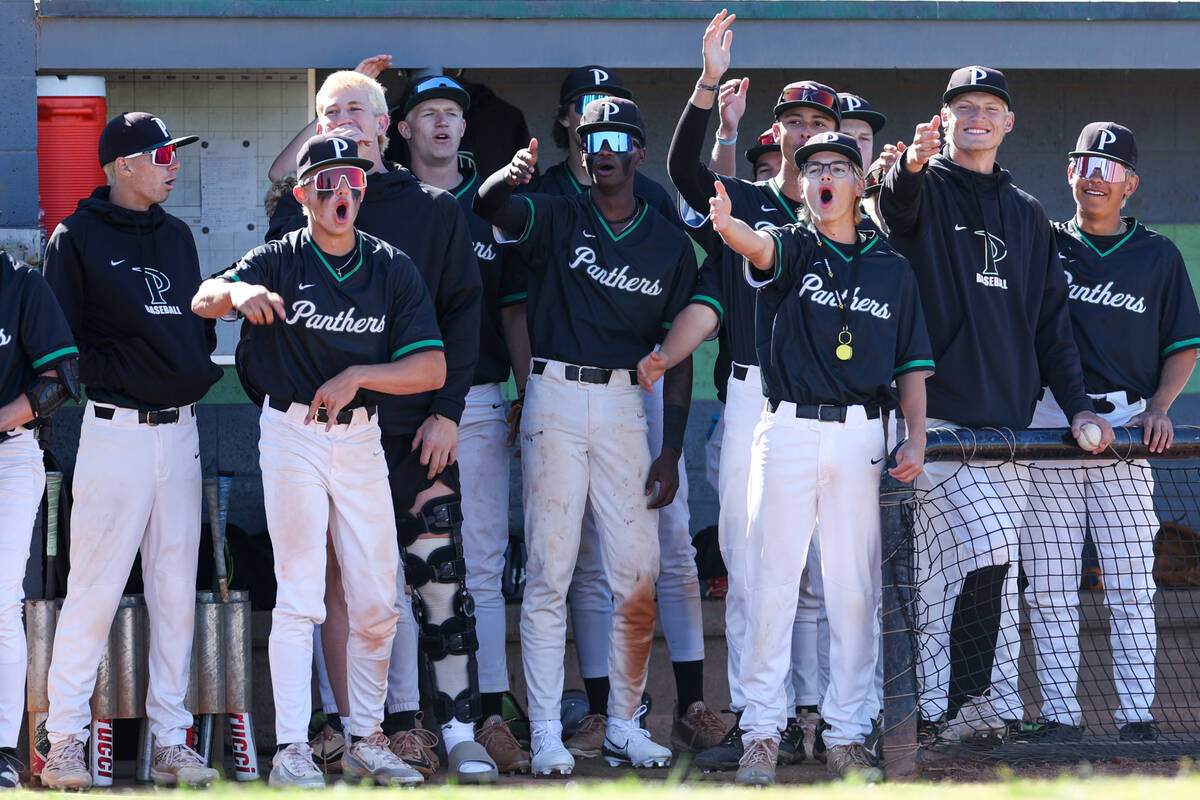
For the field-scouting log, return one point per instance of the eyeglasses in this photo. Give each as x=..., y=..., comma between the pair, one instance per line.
x=328, y=180
x=1097, y=168
x=808, y=94
x=813, y=170
x=582, y=101
x=617, y=141
x=161, y=156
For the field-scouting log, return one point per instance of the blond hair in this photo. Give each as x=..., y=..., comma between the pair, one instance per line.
x=349, y=79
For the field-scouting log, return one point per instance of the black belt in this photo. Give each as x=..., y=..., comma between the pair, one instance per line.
x=586, y=374
x=1102, y=404
x=344, y=417
x=166, y=416
x=825, y=412
x=740, y=371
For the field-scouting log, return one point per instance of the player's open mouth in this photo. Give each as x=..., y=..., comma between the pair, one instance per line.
x=341, y=212
x=1093, y=193
x=976, y=131
x=441, y=137
x=826, y=195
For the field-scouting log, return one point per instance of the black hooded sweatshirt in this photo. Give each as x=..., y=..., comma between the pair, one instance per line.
x=993, y=291
x=125, y=281
x=428, y=225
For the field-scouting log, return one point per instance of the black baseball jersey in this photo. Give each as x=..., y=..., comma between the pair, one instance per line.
x=597, y=298
x=558, y=180
x=798, y=321
x=504, y=280
x=428, y=225
x=125, y=281
x=1131, y=303
x=34, y=334
x=993, y=291
x=373, y=310
x=758, y=204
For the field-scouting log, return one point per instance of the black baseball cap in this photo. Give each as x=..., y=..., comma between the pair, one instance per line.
x=809, y=94
x=829, y=142
x=977, y=79
x=434, y=87
x=328, y=150
x=613, y=114
x=1107, y=140
x=136, y=132
x=854, y=107
x=874, y=178
x=767, y=143
x=589, y=79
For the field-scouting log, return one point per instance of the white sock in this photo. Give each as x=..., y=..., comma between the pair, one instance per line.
x=456, y=732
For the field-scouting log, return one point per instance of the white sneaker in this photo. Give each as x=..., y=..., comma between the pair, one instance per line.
x=370, y=757
x=65, y=768
x=549, y=754
x=628, y=743
x=976, y=721
x=294, y=767
x=180, y=765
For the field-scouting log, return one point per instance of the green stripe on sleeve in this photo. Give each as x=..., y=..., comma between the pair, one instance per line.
x=514, y=299
x=920, y=363
x=63, y=351
x=708, y=301
x=421, y=345
x=529, y=224
x=1186, y=343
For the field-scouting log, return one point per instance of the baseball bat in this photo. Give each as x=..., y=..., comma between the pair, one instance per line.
x=216, y=493
x=53, y=494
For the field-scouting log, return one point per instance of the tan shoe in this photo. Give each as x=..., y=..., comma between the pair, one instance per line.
x=846, y=760
x=65, y=768
x=327, y=747
x=502, y=746
x=757, y=765
x=698, y=729
x=588, y=741
x=415, y=748
x=180, y=765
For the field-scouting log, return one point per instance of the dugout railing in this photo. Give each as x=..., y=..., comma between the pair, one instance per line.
x=1024, y=463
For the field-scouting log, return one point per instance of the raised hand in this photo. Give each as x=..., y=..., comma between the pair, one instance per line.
x=732, y=102
x=927, y=142
x=374, y=66
x=520, y=169
x=720, y=209
x=715, y=49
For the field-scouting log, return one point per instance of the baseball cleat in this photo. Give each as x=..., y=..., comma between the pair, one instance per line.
x=293, y=767
x=757, y=765
x=976, y=723
x=65, y=768
x=846, y=760
x=371, y=758
x=502, y=746
x=180, y=765
x=1139, y=731
x=550, y=755
x=588, y=740
x=697, y=729
x=10, y=768
x=628, y=743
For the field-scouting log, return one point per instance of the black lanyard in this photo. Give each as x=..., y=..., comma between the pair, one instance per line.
x=844, y=349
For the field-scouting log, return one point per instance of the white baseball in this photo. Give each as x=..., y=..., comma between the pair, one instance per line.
x=1089, y=436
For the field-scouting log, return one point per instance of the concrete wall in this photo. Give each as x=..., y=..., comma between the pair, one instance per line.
x=18, y=129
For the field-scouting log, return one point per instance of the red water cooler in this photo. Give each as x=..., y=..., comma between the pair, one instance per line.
x=71, y=114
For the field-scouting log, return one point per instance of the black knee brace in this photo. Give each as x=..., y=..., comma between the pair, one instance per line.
x=452, y=635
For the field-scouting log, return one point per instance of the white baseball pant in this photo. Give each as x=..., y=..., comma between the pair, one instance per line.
x=586, y=442
x=712, y=451
x=677, y=587
x=316, y=482
x=483, y=468
x=1115, y=499
x=22, y=481
x=136, y=486
x=802, y=469
x=971, y=513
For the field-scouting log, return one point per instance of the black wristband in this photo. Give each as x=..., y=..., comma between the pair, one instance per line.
x=674, y=426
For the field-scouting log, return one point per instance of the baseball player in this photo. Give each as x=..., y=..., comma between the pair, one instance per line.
x=124, y=271
x=1135, y=321
x=838, y=318
x=996, y=305
x=39, y=370
x=433, y=126
x=803, y=109
x=607, y=273
x=420, y=441
x=696, y=726
x=338, y=319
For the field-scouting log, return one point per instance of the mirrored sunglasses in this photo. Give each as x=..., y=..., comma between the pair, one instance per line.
x=161, y=156
x=1097, y=168
x=617, y=141
x=329, y=179
x=808, y=94
x=582, y=101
